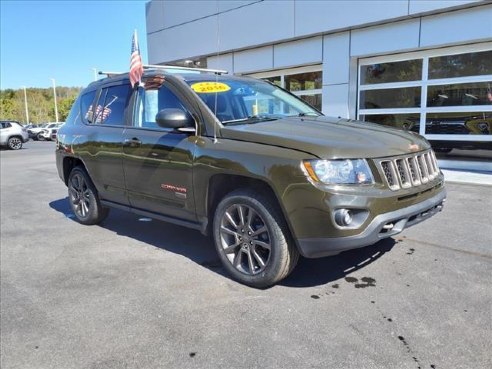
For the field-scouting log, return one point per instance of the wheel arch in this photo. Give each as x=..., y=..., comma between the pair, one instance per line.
x=70, y=162
x=220, y=185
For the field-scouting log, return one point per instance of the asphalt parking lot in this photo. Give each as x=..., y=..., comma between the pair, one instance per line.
x=140, y=293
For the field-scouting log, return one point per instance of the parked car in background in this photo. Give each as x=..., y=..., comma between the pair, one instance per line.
x=45, y=133
x=35, y=130
x=54, y=132
x=12, y=134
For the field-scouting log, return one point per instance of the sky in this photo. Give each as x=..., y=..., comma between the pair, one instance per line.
x=65, y=40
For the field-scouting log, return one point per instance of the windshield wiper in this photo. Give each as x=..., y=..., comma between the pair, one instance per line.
x=312, y=114
x=250, y=120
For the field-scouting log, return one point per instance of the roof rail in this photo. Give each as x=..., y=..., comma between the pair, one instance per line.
x=216, y=71
x=109, y=74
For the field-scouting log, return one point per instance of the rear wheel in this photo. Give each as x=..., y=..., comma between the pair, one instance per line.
x=14, y=143
x=84, y=199
x=40, y=137
x=252, y=239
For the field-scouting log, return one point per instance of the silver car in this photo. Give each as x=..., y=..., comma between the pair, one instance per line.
x=12, y=134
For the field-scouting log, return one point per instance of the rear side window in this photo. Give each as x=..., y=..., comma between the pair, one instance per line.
x=86, y=107
x=111, y=105
x=6, y=125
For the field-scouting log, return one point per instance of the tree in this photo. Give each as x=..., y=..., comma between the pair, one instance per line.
x=65, y=106
x=40, y=103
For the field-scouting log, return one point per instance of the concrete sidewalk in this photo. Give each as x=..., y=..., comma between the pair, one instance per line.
x=469, y=177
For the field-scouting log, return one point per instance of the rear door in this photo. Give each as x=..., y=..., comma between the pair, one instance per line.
x=158, y=161
x=105, y=112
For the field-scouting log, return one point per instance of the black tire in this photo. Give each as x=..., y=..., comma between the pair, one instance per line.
x=247, y=259
x=84, y=199
x=14, y=143
x=39, y=137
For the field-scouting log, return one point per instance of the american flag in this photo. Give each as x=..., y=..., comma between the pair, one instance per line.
x=101, y=114
x=136, y=66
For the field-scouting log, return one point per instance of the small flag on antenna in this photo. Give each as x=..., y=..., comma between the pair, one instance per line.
x=136, y=66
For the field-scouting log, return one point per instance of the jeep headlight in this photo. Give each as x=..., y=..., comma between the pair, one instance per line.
x=345, y=171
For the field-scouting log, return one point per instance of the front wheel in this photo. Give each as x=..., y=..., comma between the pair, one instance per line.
x=14, y=143
x=84, y=199
x=252, y=239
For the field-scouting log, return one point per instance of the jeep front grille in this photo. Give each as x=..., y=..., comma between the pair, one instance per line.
x=409, y=170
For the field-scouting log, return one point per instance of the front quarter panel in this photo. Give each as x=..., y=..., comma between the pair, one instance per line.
x=278, y=167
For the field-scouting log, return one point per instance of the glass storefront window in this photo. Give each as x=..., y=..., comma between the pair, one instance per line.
x=474, y=123
x=277, y=80
x=390, y=98
x=313, y=100
x=450, y=101
x=408, y=122
x=402, y=71
x=461, y=65
x=303, y=81
x=463, y=94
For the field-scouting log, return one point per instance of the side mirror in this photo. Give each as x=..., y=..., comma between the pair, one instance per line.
x=173, y=118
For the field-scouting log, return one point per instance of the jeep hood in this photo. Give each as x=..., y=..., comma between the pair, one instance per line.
x=328, y=138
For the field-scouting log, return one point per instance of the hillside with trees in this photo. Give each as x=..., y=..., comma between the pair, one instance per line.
x=40, y=103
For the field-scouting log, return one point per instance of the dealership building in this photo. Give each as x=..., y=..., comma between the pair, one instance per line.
x=419, y=65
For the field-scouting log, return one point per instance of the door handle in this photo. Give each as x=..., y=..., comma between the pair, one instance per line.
x=132, y=142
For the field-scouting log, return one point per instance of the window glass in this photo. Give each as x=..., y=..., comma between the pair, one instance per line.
x=408, y=122
x=303, y=81
x=86, y=110
x=6, y=125
x=313, y=100
x=462, y=94
x=461, y=65
x=152, y=99
x=275, y=80
x=476, y=123
x=249, y=101
x=402, y=71
x=390, y=98
x=110, y=108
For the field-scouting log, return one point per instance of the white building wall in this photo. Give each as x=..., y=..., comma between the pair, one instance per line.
x=246, y=24
x=251, y=41
x=295, y=53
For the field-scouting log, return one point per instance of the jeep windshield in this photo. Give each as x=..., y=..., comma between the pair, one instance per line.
x=247, y=101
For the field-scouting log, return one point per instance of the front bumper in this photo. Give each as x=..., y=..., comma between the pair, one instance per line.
x=382, y=226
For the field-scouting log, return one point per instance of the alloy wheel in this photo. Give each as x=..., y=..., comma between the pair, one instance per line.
x=79, y=195
x=245, y=239
x=15, y=143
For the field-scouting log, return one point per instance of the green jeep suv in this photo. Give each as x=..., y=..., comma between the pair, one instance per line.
x=267, y=175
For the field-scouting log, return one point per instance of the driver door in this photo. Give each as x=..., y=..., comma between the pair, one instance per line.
x=157, y=161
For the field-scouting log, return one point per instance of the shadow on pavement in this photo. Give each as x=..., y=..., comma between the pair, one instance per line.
x=200, y=249
x=315, y=272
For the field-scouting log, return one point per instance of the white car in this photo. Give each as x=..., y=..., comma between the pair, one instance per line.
x=36, y=130
x=13, y=135
x=47, y=131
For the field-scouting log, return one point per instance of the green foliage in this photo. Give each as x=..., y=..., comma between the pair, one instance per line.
x=40, y=102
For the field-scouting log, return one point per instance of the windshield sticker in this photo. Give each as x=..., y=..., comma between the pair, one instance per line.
x=210, y=87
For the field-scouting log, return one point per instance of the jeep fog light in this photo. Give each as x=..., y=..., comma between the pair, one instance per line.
x=343, y=217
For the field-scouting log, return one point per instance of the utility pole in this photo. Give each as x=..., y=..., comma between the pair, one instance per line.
x=95, y=74
x=54, y=93
x=25, y=104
